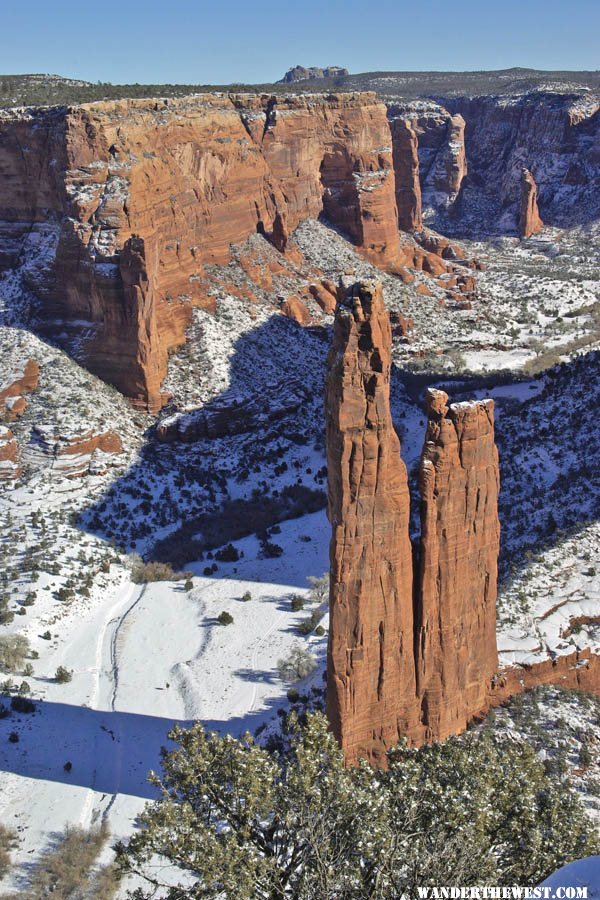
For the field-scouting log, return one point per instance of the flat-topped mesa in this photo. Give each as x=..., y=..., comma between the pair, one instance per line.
x=455, y=608
x=530, y=222
x=371, y=699
x=185, y=179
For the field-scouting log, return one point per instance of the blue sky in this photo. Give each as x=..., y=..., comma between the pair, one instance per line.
x=225, y=41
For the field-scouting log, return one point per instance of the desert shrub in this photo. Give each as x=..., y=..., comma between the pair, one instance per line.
x=246, y=596
x=8, y=842
x=474, y=810
x=13, y=650
x=268, y=550
x=225, y=618
x=46, y=636
x=69, y=870
x=145, y=572
x=297, y=603
x=319, y=588
x=308, y=625
x=229, y=553
x=63, y=675
x=299, y=663
x=22, y=704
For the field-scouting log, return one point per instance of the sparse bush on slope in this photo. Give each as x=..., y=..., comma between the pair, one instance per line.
x=235, y=821
x=13, y=650
x=144, y=572
x=8, y=842
x=299, y=663
x=69, y=869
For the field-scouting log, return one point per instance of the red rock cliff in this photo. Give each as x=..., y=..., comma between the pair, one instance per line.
x=371, y=699
x=455, y=612
x=182, y=179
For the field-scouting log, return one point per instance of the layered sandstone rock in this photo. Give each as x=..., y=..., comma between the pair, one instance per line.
x=557, y=133
x=9, y=455
x=296, y=310
x=437, y=140
x=73, y=455
x=406, y=168
x=12, y=392
x=141, y=194
x=529, y=216
x=455, y=613
x=371, y=699
x=450, y=166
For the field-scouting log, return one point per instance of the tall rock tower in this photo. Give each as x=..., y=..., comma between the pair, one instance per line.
x=455, y=603
x=371, y=696
x=530, y=222
x=401, y=663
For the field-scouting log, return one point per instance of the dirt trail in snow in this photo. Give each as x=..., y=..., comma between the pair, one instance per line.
x=106, y=685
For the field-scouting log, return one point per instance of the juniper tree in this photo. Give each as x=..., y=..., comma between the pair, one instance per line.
x=235, y=821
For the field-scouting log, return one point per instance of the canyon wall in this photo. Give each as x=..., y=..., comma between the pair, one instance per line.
x=472, y=151
x=136, y=197
x=114, y=211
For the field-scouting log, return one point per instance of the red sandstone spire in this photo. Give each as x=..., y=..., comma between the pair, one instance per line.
x=371, y=700
x=455, y=613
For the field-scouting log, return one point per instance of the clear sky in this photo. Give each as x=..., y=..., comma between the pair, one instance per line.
x=225, y=41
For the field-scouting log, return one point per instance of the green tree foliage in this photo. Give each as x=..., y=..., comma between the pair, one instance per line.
x=235, y=821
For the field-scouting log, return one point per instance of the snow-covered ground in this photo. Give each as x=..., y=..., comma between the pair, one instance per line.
x=146, y=656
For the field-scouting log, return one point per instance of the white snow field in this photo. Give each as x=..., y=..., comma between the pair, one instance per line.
x=144, y=657
x=583, y=873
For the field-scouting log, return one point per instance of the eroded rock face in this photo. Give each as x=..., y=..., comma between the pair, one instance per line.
x=73, y=455
x=142, y=194
x=304, y=73
x=456, y=655
x=450, y=166
x=371, y=699
x=406, y=167
x=529, y=216
x=472, y=151
x=9, y=455
x=13, y=401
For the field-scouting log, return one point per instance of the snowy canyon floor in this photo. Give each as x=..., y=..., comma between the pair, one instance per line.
x=145, y=656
